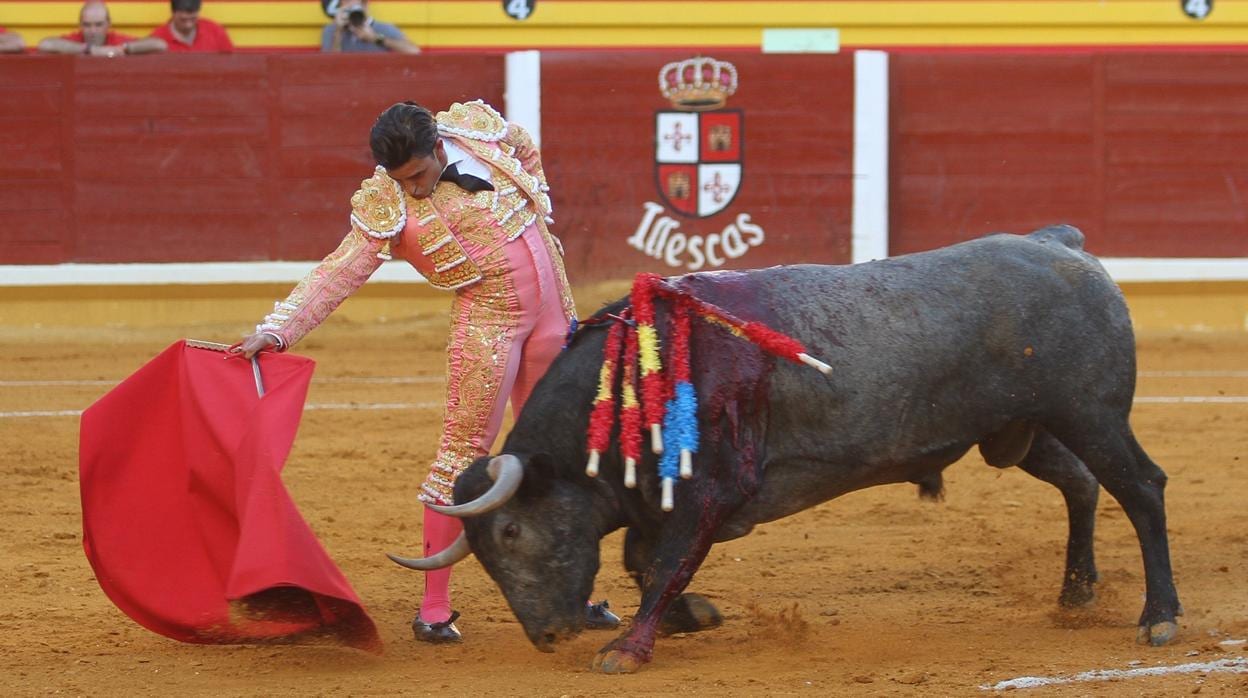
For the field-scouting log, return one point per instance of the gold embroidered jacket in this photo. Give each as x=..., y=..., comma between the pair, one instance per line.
x=435, y=233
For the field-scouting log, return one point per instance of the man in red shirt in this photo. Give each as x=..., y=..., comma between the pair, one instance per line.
x=95, y=36
x=186, y=32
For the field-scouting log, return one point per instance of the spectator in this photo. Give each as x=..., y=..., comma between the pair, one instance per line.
x=95, y=36
x=355, y=31
x=10, y=42
x=186, y=32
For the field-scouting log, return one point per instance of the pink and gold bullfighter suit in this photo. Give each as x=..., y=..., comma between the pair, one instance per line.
x=512, y=304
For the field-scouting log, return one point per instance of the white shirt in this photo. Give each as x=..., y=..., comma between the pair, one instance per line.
x=464, y=161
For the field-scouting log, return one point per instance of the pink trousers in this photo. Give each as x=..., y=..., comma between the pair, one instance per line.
x=505, y=332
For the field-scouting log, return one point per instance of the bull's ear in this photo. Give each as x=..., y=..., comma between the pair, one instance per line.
x=539, y=472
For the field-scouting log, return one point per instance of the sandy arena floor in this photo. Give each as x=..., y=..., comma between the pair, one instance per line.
x=876, y=593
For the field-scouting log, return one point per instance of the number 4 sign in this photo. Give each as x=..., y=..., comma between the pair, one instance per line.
x=1197, y=9
x=519, y=9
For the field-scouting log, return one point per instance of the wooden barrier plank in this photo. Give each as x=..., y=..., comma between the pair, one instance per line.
x=167, y=100
x=33, y=236
x=334, y=127
x=30, y=100
x=309, y=235
x=990, y=156
x=31, y=162
x=946, y=208
x=161, y=131
x=1175, y=130
x=1168, y=213
x=185, y=160
x=29, y=195
x=192, y=235
x=176, y=71
x=319, y=194
x=35, y=71
x=990, y=143
x=93, y=195
x=19, y=133
x=340, y=162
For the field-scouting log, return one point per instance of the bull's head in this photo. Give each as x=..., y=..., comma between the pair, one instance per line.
x=537, y=537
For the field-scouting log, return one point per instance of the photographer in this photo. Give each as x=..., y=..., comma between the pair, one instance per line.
x=355, y=31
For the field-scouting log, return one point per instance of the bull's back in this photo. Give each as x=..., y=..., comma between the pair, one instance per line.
x=932, y=351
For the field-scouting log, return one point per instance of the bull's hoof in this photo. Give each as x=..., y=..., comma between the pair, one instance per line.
x=1157, y=634
x=616, y=661
x=690, y=613
x=1077, y=587
x=1077, y=596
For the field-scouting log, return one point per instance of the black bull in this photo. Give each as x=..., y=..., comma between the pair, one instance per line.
x=1020, y=344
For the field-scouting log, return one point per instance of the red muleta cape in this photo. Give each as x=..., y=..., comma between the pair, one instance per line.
x=185, y=519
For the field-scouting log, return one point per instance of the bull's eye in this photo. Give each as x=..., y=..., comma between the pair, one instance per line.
x=511, y=531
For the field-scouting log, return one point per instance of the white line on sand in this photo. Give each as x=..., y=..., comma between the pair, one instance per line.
x=1235, y=665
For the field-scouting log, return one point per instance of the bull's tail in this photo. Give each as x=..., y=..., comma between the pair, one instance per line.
x=1066, y=235
x=931, y=488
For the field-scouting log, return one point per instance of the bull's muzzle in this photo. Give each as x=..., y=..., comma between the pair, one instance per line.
x=506, y=471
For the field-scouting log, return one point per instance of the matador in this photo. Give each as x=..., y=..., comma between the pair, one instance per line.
x=462, y=196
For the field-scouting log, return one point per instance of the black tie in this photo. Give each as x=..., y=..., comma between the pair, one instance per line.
x=465, y=181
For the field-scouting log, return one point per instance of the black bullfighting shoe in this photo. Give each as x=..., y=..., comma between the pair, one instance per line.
x=598, y=616
x=437, y=633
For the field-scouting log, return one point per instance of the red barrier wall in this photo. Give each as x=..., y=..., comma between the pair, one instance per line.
x=1144, y=152
x=199, y=158
x=254, y=157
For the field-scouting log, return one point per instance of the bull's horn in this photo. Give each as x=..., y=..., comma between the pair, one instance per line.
x=453, y=553
x=506, y=471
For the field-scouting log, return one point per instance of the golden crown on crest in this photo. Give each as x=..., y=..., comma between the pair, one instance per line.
x=698, y=84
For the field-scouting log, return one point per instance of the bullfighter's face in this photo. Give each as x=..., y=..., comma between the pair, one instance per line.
x=419, y=175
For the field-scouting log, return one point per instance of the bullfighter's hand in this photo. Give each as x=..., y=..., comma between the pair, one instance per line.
x=254, y=344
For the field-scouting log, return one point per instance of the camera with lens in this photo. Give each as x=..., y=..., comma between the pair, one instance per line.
x=356, y=16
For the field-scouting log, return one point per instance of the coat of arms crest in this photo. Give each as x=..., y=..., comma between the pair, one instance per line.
x=698, y=147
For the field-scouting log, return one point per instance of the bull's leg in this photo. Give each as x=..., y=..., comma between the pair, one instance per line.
x=688, y=613
x=1052, y=462
x=1125, y=470
x=683, y=545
